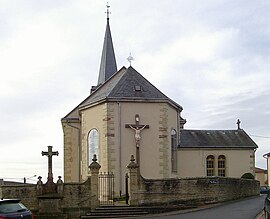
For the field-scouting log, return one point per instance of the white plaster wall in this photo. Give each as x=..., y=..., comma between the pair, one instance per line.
x=192, y=163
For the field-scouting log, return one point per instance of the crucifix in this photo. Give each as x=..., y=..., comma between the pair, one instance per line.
x=49, y=154
x=137, y=127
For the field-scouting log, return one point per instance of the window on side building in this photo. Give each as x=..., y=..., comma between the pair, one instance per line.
x=221, y=165
x=210, y=165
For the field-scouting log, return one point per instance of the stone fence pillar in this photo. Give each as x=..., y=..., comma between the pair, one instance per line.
x=133, y=186
x=60, y=186
x=39, y=186
x=94, y=171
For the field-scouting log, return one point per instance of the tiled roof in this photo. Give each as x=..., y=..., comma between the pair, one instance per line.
x=215, y=139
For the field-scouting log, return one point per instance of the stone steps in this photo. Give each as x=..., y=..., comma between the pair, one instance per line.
x=116, y=212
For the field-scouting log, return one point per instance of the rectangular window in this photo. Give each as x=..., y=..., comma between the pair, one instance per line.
x=221, y=165
x=210, y=168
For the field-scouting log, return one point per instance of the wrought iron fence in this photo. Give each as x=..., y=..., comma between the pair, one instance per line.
x=106, y=188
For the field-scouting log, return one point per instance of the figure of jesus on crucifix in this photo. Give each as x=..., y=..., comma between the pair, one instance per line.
x=137, y=128
x=137, y=134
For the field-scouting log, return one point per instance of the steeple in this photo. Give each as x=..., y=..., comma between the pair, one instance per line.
x=108, y=62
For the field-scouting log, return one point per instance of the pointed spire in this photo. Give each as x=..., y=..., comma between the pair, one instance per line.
x=108, y=63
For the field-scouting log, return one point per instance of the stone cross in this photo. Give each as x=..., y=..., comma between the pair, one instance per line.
x=49, y=154
x=137, y=127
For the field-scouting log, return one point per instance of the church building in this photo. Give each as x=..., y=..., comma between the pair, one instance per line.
x=126, y=115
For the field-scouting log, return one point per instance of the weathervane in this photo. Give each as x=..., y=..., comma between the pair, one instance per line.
x=108, y=11
x=130, y=58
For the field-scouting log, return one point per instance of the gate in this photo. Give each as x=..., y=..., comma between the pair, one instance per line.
x=106, y=188
x=126, y=185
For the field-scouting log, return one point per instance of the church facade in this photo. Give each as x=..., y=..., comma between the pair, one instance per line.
x=127, y=115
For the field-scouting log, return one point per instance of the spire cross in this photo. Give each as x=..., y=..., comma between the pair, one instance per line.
x=108, y=11
x=238, y=123
x=130, y=58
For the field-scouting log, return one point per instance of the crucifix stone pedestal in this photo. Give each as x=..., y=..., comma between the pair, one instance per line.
x=51, y=194
x=137, y=127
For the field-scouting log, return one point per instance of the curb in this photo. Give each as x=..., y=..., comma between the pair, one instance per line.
x=261, y=215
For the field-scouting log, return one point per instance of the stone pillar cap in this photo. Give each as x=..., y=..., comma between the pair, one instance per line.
x=94, y=164
x=132, y=164
x=59, y=181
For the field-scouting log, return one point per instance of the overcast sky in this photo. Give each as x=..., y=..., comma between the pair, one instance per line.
x=211, y=56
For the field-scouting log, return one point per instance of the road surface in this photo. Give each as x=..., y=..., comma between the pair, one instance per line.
x=243, y=209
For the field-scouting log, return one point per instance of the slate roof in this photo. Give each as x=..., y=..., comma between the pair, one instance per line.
x=215, y=139
x=266, y=155
x=123, y=86
x=128, y=85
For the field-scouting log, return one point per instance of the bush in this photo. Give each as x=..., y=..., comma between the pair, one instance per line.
x=248, y=176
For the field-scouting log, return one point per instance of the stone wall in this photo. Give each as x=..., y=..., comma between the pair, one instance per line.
x=77, y=195
x=76, y=198
x=71, y=199
x=195, y=191
x=26, y=193
x=57, y=200
x=187, y=192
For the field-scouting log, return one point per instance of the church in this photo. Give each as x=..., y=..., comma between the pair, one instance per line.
x=126, y=115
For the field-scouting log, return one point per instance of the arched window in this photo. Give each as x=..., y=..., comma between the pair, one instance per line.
x=93, y=145
x=210, y=167
x=221, y=165
x=174, y=150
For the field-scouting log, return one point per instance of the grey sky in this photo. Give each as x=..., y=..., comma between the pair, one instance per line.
x=212, y=57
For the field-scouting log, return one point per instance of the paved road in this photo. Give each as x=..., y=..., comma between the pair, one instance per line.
x=244, y=209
